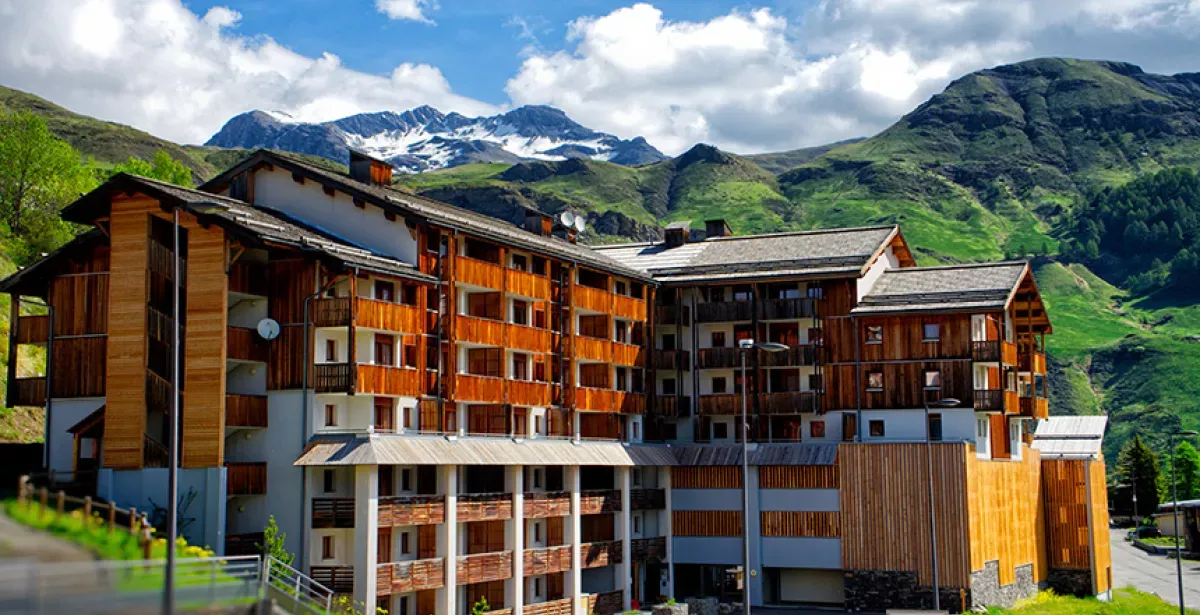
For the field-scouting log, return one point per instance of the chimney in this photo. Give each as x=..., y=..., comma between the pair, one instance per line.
x=716, y=228
x=369, y=170
x=678, y=233
x=537, y=222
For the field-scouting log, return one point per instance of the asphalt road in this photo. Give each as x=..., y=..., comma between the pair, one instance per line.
x=1153, y=573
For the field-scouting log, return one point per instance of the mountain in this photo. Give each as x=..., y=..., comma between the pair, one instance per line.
x=779, y=162
x=425, y=139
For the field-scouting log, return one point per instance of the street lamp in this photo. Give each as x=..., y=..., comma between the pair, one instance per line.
x=745, y=345
x=1175, y=509
x=948, y=402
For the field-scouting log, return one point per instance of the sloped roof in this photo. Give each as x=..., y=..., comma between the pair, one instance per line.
x=1070, y=436
x=805, y=454
x=956, y=287
x=34, y=279
x=813, y=253
x=440, y=213
x=407, y=450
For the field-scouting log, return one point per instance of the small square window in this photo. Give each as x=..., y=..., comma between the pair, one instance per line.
x=537, y=478
x=406, y=480
x=876, y=428
x=328, y=483
x=327, y=547
x=668, y=386
x=637, y=435
x=718, y=385
x=933, y=380
x=637, y=524
x=718, y=339
x=816, y=429
x=720, y=431
x=874, y=334
x=330, y=415
x=874, y=381
x=935, y=427
x=537, y=532
x=931, y=332
x=405, y=547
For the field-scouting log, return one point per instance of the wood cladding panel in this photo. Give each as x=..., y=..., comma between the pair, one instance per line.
x=478, y=273
x=289, y=283
x=1098, y=501
x=387, y=316
x=549, y=504
x=527, y=284
x=479, y=330
x=478, y=388
x=484, y=567
x=285, y=359
x=405, y=577
x=526, y=393
x=903, y=337
x=798, y=477
x=1006, y=515
x=79, y=365
x=80, y=304
x=531, y=339
x=384, y=380
x=1071, y=489
x=790, y=523
x=627, y=354
x=884, y=503
x=594, y=400
x=838, y=297
x=203, y=420
x=593, y=349
x=706, y=477
x=422, y=510
x=546, y=561
x=706, y=523
x=904, y=384
x=600, y=554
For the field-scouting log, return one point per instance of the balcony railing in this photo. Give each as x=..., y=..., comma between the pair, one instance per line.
x=598, y=400
x=549, y=504
x=598, y=300
x=484, y=507
x=648, y=499
x=561, y=606
x=672, y=359
x=648, y=549
x=33, y=329
x=339, y=579
x=330, y=513
x=527, y=393
x=599, y=502
x=673, y=406
x=600, y=554
x=245, y=410
x=718, y=358
x=547, y=561
x=1035, y=407
x=154, y=454
x=476, y=330
x=478, y=273
x=532, y=339
x=606, y=603
x=158, y=393
x=331, y=312
x=411, y=576
x=243, y=544
x=485, y=567
x=388, y=380
x=331, y=377
x=987, y=351
x=1008, y=353
x=723, y=311
x=627, y=354
x=629, y=402
x=787, y=403
x=411, y=510
x=722, y=404
x=28, y=392
x=671, y=315
x=485, y=389
x=593, y=349
x=527, y=284
x=246, y=345
x=1031, y=361
x=989, y=400
x=246, y=478
x=786, y=309
x=794, y=356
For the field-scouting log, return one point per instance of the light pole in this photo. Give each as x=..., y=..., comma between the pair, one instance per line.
x=949, y=402
x=744, y=346
x=1175, y=510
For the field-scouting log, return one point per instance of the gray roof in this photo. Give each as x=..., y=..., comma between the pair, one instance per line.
x=1070, y=436
x=805, y=454
x=956, y=287
x=811, y=253
x=437, y=212
x=408, y=450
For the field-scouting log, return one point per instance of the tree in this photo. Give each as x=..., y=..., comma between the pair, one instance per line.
x=1187, y=471
x=274, y=543
x=162, y=167
x=480, y=607
x=1138, y=465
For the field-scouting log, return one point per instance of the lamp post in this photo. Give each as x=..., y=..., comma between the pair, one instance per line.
x=746, y=345
x=949, y=402
x=1175, y=510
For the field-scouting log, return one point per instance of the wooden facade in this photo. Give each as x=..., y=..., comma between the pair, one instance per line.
x=706, y=523
x=788, y=523
x=798, y=477
x=706, y=477
x=1076, y=530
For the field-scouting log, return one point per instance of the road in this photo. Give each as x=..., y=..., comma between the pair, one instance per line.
x=1153, y=573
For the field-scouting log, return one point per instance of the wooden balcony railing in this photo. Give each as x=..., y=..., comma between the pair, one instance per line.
x=386, y=380
x=485, y=389
x=671, y=315
x=1035, y=407
x=718, y=358
x=246, y=345
x=546, y=561
x=527, y=393
x=154, y=454
x=478, y=273
x=1012, y=402
x=388, y=316
x=723, y=311
x=648, y=499
x=629, y=307
x=33, y=329
x=786, y=309
x=594, y=299
x=987, y=351
x=331, y=377
x=1031, y=361
x=339, y=579
x=672, y=359
x=531, y=339
x=158, y=393
x=331, y=312
x=725, y=403
x=593, y=349
x=627, y=354
x=243, y=544
x=548, y=504
x=989, y=400
x=477, y=330
x=485, y=567
x=599, y=502
x=562, y=606
x=648, y=549
x=1008, y=353
x=411, y=576
x=248, y=278
x=606, y=603
x=527, y=284
x=27, y=392
x=627, y=402
x=787, y=403
x=600, y=554
x=596, y=400
x=484, y=507
x=794, y=356
x=411, y=510
x=245, y=410
x=332, y=513
x=246, y=478
x=673, y=406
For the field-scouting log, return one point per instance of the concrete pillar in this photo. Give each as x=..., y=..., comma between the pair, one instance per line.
x=447, y=539
x=573, y=533
x=755, y=525
x=668, y=531
x=366, y=533
x=515, y=538
x=303, y=562
x=625, y=535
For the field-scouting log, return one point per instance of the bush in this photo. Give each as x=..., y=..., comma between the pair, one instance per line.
x=92, y=533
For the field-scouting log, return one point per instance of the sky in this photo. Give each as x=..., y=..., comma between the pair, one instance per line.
x=746, y=76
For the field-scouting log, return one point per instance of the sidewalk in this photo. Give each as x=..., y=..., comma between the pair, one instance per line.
x=20, y=542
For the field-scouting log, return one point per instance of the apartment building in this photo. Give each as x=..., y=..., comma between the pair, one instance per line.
x=439, y=406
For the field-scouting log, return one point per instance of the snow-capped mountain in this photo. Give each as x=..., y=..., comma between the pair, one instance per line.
x=424, y=138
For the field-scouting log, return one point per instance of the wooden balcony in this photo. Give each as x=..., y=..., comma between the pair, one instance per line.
x=627, y=354
x=475, y=330
x=1035, y=407
x=598, y=300
x=330, y=513
x=561, y=606
x=546, y=561
x=330, y=312
x=787, y=403
x=248, y=278
x=1012, y=402
x=484, y=567
x=33, y=329
x=670, y=315
x=411, y=576
x=245, y=410
x=596, y=400
x=527, y=393
x=27, y=392
x=600, y=554
x=593, y=349
x=1031, y=361
x=794, y=356
x=478, y=273
x=388, y=316
x=724, y=311
x=245, y=478
x=339, y=579
x=527, y=284
x=386, y=380
x=723, y=404
x=672, y=359
x=243, y=544
x=246, y=345
x=158, y=393
x=606, y=603
x=719, y=358
x=648, y=499
x=599, y=502
x=627, y=402
x=411, y=510
x=629, y=307
x=331, y=378
x=648, y=550
x=484, y=507
x=989, y=400
x=673, y=406
x=986, y=351
x=484, y=389
x=530, y=339
x=1008, y=353
x=548, y=504
x=786, y=309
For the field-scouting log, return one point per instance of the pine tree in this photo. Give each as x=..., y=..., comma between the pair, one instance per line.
x=1187, y=471
x=1138, y=465
x=274, y=543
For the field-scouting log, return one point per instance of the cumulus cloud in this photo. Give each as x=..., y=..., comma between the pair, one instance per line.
x=156, y=65
x=751, y=80
x=413, y=10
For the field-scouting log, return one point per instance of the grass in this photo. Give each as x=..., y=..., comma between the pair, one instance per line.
x=1161, y=541
x=1125, y=601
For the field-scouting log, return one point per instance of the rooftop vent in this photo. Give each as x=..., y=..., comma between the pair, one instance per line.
x=538, y=223
x=717, y=228
x=369, y=170
x=678, y=233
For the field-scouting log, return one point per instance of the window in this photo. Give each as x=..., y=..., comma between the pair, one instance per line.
x=384, y=350
x=637, y=524
x=849, y=427
x=328, y=483
x=405, y=548
x=385, y=291
x=720, y=431
x=622, y=379
x=410, y=352
x=520, y=366
x=327, y=547
x=330, y=415
x=537, y=424
x=874, y=334
x=537, y=586
x=933, y=380
x=931, y=332
x=386, y=481
x=330, y=351
x=520, y=313
x=981, y=428
x=620, y=288
x=816, y=429
x=403, y=606
x=622, y=332
x=538, y=473
x=935, y=427
x=637, y=435
x=668, y=386
x=718, y=385
x=408, y=295
x=537, y=532
x=668, y=341
x=406, y=480
x=815, y=292
x=874, y=381
x=876, y=428
x=635, y=476
x=718, y=339
x=519, y=262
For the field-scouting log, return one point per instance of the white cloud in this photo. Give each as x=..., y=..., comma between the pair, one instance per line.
x=413, y=10
x=156, y=65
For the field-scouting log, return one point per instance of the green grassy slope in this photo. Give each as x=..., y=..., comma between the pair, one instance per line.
x=780, y=162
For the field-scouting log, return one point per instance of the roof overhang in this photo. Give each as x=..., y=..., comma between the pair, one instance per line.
x=352, y=450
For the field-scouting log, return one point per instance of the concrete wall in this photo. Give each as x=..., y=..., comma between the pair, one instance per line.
x=825, y=553
x=706, y=499
x=707, y=550
x=64, y=414
x=798, y=499
x=202, y=522
x=282, y=443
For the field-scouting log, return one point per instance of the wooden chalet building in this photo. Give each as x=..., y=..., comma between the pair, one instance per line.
x=439, y=406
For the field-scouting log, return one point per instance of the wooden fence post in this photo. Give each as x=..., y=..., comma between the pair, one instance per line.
x=45, y=496
x=146, y=540
x=132, y=520
x=112, y=517
x=87, y=510
x=58, y=505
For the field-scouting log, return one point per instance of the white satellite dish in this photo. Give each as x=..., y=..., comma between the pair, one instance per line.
x=580, y=223
x=268, y=329
x=567, y=219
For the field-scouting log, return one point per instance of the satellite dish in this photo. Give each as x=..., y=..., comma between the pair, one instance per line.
x=567, y=219
x=268, y=329
x=580, y=223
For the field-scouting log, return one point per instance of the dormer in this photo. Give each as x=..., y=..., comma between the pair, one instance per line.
x=717, y=228
x=369, y=170
x=678, y=233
